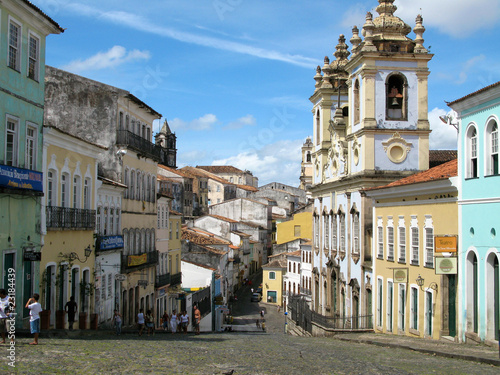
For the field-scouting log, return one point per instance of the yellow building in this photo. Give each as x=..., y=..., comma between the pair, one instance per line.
x=299, y=227
x=69, y=217
x=272, y=281
x=411, y=294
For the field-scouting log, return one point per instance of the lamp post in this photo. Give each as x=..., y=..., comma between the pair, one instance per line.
x=420, y=282
x=72, y=256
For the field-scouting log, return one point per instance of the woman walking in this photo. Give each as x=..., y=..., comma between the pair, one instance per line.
x=173, y=321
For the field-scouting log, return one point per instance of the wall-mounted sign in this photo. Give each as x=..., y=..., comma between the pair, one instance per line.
x=120, y=277
x=446, y=266
x=136, y=260
x=142, y=282
x=445, y=244
x=400, y=275
x=110, y=242
x=18, y=178
x=31, y=256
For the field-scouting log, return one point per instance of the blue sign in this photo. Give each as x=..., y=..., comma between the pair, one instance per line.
x=18, y=178
x=110, y=242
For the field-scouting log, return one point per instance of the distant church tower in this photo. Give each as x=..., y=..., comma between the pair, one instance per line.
x=167, y=140
x=370, y=128
x=306, y=166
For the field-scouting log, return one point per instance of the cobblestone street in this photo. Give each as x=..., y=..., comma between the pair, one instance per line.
x=272, y=352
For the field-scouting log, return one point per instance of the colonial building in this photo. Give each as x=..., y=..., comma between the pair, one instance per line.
x=479, y=214
x=370, y=127
x=180, y=186
x=23, y=30
x=272, y=281
x=306, y=166
x=232, y=174
x=414, y=275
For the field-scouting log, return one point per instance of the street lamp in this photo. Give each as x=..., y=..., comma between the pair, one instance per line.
x=72, y=256
x=420, y=282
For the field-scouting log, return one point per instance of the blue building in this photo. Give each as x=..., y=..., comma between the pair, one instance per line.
x=479, y=214
x=23, y=29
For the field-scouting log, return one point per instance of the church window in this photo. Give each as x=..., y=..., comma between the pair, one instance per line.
x=356, y=103
x=396, y=97
x=471, y=165
x=492, y=148
x=318, y=127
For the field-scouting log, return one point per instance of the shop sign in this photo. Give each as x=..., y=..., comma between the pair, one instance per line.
x=136, y=260
x=446, y=266
x=18, y=178
x=445, y=244
x=110, y=242
x=400, y=275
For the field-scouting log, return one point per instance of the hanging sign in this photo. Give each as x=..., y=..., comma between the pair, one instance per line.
x=446, y=266
x=400, y=275
x=445, y=244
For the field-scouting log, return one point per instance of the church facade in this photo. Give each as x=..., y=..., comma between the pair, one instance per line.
x=370, y=128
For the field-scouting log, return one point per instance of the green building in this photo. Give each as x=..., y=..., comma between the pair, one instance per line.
x=23, y=29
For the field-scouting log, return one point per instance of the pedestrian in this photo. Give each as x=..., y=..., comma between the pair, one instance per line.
x=5, y=301
x=150, y=325
x=117, y=321
x=196, y=320
x=71, y=307
x=35, y=309
x=165, y=321
x=257, y=323
x=185, y=321
x=173, y=321
x=179, y=323
x=262, y=313
x=251, y=290
x=140, y=321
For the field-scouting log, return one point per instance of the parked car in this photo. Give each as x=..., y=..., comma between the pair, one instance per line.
x=256, y=297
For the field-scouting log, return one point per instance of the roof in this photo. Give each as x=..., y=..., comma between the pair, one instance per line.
x=48, y=126
x=241, y=234
x=247, y=187
x=223, y=218
x=220, y=168
x=108, y=181
x=199, y=265
x=437, y=157
x=141, y=104
x=202, y=238
x=441, y=172
x=296, y=253
x=202, y=173
x=172, y=212
x=278, y=263
x=42, y=13
x=176, y=171
x=169, y=179
x=278, y=216
x=474, y=93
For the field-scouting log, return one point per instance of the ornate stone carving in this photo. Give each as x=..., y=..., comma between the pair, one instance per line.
x=397, y=148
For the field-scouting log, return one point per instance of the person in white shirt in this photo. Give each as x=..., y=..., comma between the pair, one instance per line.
x=35, y=309
x=184, y=321
x=140, y=321
x=4, y=316
x=173, y=321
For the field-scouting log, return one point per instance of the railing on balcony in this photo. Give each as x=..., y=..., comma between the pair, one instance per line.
x=70, y=218
x=139, y=144
x=162, y=280
x=139, y=261
x=176, y=279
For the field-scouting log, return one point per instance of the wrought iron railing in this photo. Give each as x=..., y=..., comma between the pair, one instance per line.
x=162, y=280
x=139, y=144
x=69, y=218
x=176, y=279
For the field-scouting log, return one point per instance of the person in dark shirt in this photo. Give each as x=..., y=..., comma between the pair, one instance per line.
x=71, y=308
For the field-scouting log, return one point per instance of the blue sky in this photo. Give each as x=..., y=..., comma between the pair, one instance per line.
x=233, y=77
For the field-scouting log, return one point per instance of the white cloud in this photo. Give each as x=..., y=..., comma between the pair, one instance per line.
x=455, y=18
x=137, y=22
x=205, y=122
x=279, y=161
x=443, y=136
x=247, y=120
x=116, y=55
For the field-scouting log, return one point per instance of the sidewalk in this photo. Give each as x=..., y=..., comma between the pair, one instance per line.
x=469, y=352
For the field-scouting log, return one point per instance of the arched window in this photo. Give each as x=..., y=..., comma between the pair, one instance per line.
x=126, y=242
x=396, y=97
x=356, y=102
x=64, y=190
x=153, y=189
x=131, y=190
x=492, y=148
x=51, y=188
x=318, y=127
x=138, y=187
x=125, y=181
x=471, y=149
x=77, y=188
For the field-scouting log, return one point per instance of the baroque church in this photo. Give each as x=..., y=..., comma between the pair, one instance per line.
x=370, y=128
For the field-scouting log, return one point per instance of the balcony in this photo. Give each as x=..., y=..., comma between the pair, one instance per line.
x=176, y=279
x=70, y=218
x=131, y=263
x=162, y=280
x=139, y=144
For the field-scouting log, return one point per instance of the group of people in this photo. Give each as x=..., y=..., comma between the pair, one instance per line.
x=176, y=322
x=7, y=307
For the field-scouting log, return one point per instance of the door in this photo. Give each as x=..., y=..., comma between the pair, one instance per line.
x=27, y=285
x=8, y=262
x=452, y=294
x=389, y=305
x=428, y=313
x=402, y=306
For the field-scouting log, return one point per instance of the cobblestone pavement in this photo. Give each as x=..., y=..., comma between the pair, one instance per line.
x=270, y=352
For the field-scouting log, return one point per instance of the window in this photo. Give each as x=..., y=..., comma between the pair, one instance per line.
x=355, y=229
x=402, y=244
x=396, y=97
x=33, y=57
x=138, y=187
x=103, y=287
x=51, y=188
x=390, y=239
x=272, y=275
x=380, y=240
x=125, y=181
x=170, y=231
x=65, y=190
x=120, y=121
x=379, y=302
x=148, y=192
x=110, y=285
x=31, y=136
x=414, y=245
x=318, y=127
x=153, y=189
x=471, y=171
x=356, y=103
x=316, y=231
x=326, y=224
x=149, y=134
x=177, y=230
x=402, y=307
x=15, y=36
x=11, y=144
x=76, y=191
x=87, y=193
x=492, y=147
x=334, y=232
x=218, y=188
x=390, y=289
x=98, y=220
x=342, y=233
x=414, y=308
x=429, y=247
x=111, y=221
x=127, y=119
x=131, y=190
x=105, y=221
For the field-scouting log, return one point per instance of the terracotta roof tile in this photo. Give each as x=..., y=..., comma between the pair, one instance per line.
x=474, y=93
x=278, y=263
x=199, y=265
x=247, y=187
x=223, y=218
x=200, y=238
x=441, y=172
x=220, y=168
x=296, y=253
x=437, y=157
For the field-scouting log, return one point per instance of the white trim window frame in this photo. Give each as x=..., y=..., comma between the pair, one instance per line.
x=342, y=233
x=87, y=193
x=11, y=141
x=401, y=240
x=31, y=146
x=390, y=306
x=380, y=238
x=390, y=239
x=491, y=148
x=334, y=232
x=33, y=56
x=77, y=191
x=415, y=242
x=52, y=188
x=355, y=233
x=472, y=169
x=429, y=241
x=14, y=44
x=65, y=190
x=414, y=307
x=326, y=232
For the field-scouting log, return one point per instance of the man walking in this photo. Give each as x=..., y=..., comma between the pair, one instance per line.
x=71, y=308
x=35, y=309
x=196, y=320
